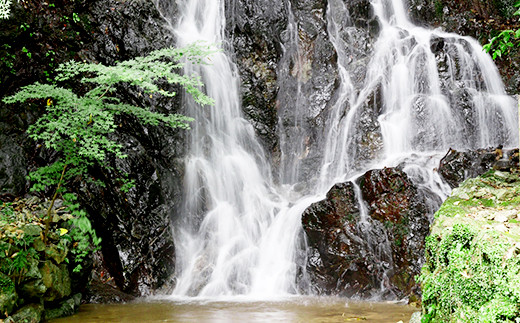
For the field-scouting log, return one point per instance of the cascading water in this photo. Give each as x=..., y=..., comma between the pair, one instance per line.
x=238, y=235
x=429, y=90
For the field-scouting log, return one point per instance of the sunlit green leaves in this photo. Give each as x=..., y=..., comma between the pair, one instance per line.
x=503, y=43
x=78, y=126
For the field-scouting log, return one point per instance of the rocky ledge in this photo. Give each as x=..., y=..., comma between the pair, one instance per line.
x=472, y=269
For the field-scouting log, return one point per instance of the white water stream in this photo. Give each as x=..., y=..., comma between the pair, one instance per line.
x=241, y=234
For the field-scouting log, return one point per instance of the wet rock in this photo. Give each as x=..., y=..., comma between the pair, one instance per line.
x=67, y=307
x=255, y=28
x=368, y=250
x=12, y=165
x=100, y=292
x=336, y=260
x=479, y=19
x=308, y=77
x=31, y=313
x=457, y=166
x=395, y=202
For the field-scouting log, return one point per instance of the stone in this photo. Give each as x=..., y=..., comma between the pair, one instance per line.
x=32, y=313
x=56, y=279
x=351, y=253
x=34, y=288
x=57, y=252
x=65, y=308
x=8, y=295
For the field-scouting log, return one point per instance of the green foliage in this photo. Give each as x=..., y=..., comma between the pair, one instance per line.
x=78, y=123
x=81, y=233
x=6, y=284
x=78, y=126
x=505, y=41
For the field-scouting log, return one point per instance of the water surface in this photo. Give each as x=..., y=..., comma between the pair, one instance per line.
x=300, y=309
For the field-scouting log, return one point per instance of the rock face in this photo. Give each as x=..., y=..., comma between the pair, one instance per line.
x=284, y=54
x=457, y=166
x=255, y=29
x=137, y=243
x=479, y=19
x=373, y=249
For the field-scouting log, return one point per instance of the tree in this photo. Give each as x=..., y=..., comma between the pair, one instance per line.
x=77, y=123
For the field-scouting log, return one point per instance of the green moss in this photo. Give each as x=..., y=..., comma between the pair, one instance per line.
x=439, y=9
x=472, y=269
x=6, y=284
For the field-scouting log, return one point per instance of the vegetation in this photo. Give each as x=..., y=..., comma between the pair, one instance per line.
x=472, y=269
x=78, y=126
x=505, y=41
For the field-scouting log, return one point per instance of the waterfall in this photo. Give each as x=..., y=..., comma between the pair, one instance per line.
x=429, y=90
x=238, y=234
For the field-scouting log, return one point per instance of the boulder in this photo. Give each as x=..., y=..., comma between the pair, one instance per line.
x=8, y=295
x=56, y=279
x=66, y=307
x=365, y=239
x=32, y=313
x=456, y=166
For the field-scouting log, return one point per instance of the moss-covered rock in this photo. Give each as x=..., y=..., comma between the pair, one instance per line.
x=65, y=308
x=8, y=296
x=56, y=279
x=35, y=272
x=472, y=269
x=31, y=313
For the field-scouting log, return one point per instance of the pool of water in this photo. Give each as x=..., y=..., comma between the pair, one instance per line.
x=297, y=309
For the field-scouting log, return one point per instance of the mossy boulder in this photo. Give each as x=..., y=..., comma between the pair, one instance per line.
x=56, y=279
x=65, y=308
x=8, y=296
x=31, y=313
x=472, y=269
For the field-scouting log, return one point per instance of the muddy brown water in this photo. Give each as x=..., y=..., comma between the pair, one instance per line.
x=298, y=309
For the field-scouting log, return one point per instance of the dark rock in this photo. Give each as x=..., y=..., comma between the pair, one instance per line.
x=12, y=165
x=457, y=166
x=67, y=307
x=103, y=293
x=368, y=250
x=255, y=28
x=134, y=226
x=308, y=77
x=336, y=260
x=32, y=313
x=480, y=19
